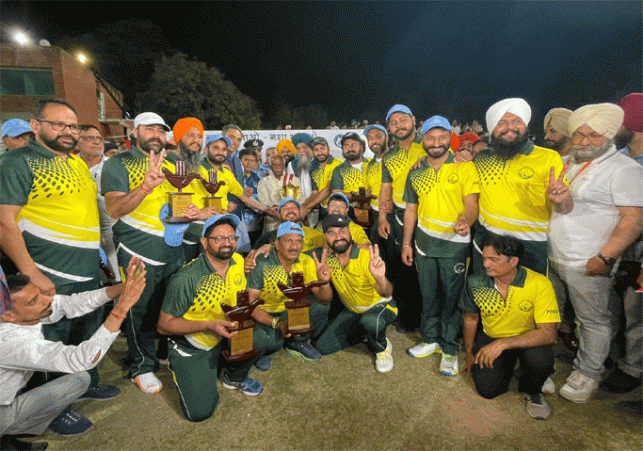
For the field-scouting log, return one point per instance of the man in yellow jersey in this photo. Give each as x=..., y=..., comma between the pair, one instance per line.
x=442, y=199
x=557, y=130
x=321, y=176
x=350, y=176
x=377, y=140
x=520, y=185
x=519, y=315
x=49, y=221
x=396, y=165
x=359, y=276
x=193, y=318
x=287, y=258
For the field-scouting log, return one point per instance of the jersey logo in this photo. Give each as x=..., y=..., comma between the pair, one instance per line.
x=459, y=268
x=526, y=306
x=526, y=173
x=237, y=279
x=453, y=179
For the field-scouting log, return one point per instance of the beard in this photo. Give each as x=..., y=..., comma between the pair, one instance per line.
x=322, y=158
x=192, y=159
x=340, y=246
x=216, y=159
x=151, y=145
x=304, y=162
x=401, y=134
x=507, y=149
x=582, y=154
x=378, y=149
x=556, y=145
x=436, y=152
x=352, y=156
x=58, y=146
x=623, y=138
x=224, y=253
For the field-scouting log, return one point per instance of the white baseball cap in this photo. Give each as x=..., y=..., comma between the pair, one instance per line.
x=149, y=118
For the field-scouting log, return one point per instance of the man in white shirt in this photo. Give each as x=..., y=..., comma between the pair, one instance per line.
x=585, y=245
x=271, y=191
x=23, y=350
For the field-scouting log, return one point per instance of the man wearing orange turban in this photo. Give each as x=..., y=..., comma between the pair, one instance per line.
x=287, y=149
x=188, y=136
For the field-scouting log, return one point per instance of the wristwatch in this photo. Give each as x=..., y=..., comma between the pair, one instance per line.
x=607, y=260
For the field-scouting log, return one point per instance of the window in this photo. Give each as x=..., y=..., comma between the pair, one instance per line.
x=25, y=82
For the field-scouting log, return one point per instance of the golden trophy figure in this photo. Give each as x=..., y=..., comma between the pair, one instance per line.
x=289, y=189
x=179, y=202
x=212, y=186
x=363, y=199
x=298, y=314
x=241, y=347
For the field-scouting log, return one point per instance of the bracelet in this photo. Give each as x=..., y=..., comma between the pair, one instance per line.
x=274, y=323
x=144, y=190
x=406, y=245
x=116, y=316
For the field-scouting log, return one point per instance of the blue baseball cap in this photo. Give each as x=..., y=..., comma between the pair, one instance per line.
x=436, y=121
x=377, y=126
x=340, y=196
x=216, y=137
x=15, y=127
x=217, y=218
x=289, y=227
x=397, y=108
x=285, y=200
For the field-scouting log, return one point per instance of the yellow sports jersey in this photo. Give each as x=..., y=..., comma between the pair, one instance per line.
x=396, y=166
x=321, y=176
x=197, y=291
x=530, y=300
x=513, y=192
x=348, y=178
x=355, y=284
x=231, y=185
x=374, y=181
x=269, y=271
x=440, y=199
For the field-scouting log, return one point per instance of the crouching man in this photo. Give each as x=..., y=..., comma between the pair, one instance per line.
x=24, y=350
x=192, y=315
x=519, y=319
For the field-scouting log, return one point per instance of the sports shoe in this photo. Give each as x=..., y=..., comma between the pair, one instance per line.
x=620, y=382
x=250, y=386
x=302, y=350
x=148, y=383
x=263, y=364
x=449, y=365
x=70, y=423
x=424, y=349
x=579, y=388
x=384, y=359
x=101, y=392
x=548, y=387
x=11, y=442
x=537, y=407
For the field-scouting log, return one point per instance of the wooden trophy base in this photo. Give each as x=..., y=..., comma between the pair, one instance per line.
x=299, y=317
x=363, y=219
x=241, y=347
x=179, y=203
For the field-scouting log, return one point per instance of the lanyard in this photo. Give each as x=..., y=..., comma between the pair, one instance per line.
x=581, y=170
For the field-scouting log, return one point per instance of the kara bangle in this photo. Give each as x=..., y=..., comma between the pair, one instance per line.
x=116, y=316
x=144, y=190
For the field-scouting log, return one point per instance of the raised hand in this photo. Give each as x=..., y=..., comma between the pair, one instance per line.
x=154, y=176
x=323, y=270
x=376, y=265
x=557, y=191
x=461, y=227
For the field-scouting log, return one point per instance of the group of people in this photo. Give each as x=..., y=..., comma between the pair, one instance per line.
x=495, y=252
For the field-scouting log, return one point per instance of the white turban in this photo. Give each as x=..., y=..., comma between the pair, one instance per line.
x=603, y=118
x=514, y=106
x=559, y=118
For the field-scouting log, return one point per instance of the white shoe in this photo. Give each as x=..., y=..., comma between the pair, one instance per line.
x=449, y=365
x=384, y=359
x=148, y=383
x=579, y=388
x=548, y=387
x=424, y=349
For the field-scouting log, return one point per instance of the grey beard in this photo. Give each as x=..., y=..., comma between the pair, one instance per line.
x=582, y=154
x=192, y=159
x=304, y=163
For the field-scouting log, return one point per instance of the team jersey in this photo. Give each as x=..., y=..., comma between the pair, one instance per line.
x=313, y=239
x=321, y=176
x=440, y=198
x=513, y=192
x=355, y=284
x=59, y=217
x=196, y=292
x=348, y=178
x=530, y=300
x=231, y=185
x=269, y=271
x=374, y=181
x=357, y=233
x=396, y=165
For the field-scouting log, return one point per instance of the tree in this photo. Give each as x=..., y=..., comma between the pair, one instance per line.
x=180, y=88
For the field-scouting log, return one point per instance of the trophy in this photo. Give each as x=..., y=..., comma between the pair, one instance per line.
x=241, y=347
x=363, y=200
x=212, y=186
x=289, y=189
x=179, y=202
x=298, y=315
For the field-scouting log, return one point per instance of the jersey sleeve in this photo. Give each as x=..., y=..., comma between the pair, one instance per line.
x=467, y=303
x=386, y=174
x=410, y=195
x=234, y=187
x=546, y=309
x=114, y=177
x=472, y=180
x=336, y=181
x=179, y=295
x=16, y=179
x=255, y=277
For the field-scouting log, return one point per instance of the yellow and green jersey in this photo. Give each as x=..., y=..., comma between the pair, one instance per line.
x=355, y=284
x=269, y=272
x=513, y=197
x=396, y=165
x=59, y=215
x=196, y=292
x=348, y=178
x=440, y=198
x=230, y=185
x=374, y=181
x=530, y=300
x=321, y=176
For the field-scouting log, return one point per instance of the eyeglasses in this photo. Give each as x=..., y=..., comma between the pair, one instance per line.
x=593, y=137
x=221, y=239
x=60, y=126
x=97, y=139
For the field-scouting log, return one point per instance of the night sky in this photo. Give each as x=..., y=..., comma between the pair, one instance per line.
x=450, y=58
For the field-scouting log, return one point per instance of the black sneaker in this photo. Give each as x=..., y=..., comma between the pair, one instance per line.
x=620, y=382
x=11, y=443
x=70, y=423
x=101, y=392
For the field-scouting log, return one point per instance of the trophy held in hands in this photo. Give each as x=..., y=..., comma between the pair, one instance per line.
x=241, y=347
x=179, y=202
x=212, y=186
x=363, y=199
x=298, y=308
x=289, y=189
